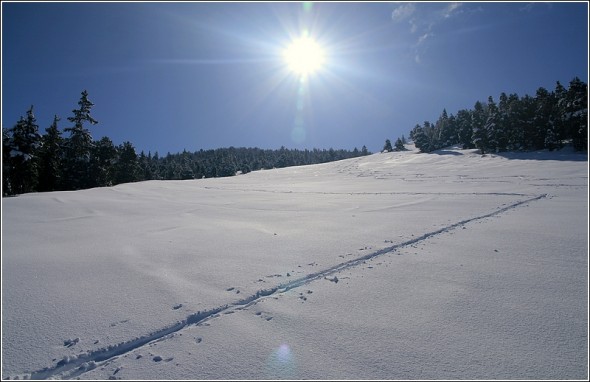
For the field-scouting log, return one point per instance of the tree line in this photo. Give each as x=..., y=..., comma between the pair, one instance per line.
x=32, y=162
x=546, y=121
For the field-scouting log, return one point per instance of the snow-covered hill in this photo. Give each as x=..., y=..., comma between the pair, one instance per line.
x=392, y=266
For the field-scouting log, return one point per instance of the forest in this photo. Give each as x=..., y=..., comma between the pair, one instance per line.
x=32, y=162
x=547, y=120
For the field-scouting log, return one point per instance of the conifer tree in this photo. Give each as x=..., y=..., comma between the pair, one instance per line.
x=480, y=134
x=503, y=123
x=543, y=117
x=388, y=148
x=421, y=138
x=512, y=128
x=51, y=158
x=526, y=123
x=104, y=158
x=444, y=133
x=23, y=145
x=6, y=165
x=399, y=145
x=127, y=167
x=78, y=147
x=491, y=125
x=559, y=106
x=576, y=113
x=464, y=129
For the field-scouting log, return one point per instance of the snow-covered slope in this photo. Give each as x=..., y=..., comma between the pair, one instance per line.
x=391, y=266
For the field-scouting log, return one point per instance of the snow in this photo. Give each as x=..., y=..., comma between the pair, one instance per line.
x=450, y=265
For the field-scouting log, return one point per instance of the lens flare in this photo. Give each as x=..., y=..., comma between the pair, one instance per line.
x=281, y=363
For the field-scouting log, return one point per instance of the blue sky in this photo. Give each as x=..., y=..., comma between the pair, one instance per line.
x=173, y=76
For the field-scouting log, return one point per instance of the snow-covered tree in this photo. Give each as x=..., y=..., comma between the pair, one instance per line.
x=576, y=113
x=78, y=147
x=543, y=113
x=503, y=123
x=444, y=131
x=480, y=133
x=464, y=128
x=23, y=145
x=388, y=148
x=6, y=165
x=491, y=126
x=420, y=137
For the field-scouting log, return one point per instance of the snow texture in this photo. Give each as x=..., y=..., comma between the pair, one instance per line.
x=450, y=265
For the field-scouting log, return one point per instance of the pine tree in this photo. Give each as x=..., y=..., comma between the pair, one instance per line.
x=51, y=158
x=558, y=113
x=503, y=123
x=399, y=145
x=527, y=122
x=127, y=167
x=104, y=158
x=444, y=131
x=421, y=139
x=464, y=129
x=542, y=118
x=552, y=141
x=6, y=165
x=512, y=128
x=480, y=134
x=186, y=171
x=387, y=146
x=491, y=125
x=576, y=113
x=78, y=147
x=145, y=166
x=23, y=145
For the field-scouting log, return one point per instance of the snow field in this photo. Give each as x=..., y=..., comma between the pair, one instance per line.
x=476, y=267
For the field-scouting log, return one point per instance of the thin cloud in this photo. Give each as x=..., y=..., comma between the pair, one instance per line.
x=424, y=37
x=423, y=19
x=450, y=9
x=403, y=12
x=414, y=26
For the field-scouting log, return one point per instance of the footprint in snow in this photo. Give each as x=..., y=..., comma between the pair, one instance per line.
x=266, y=317
x=71, y=342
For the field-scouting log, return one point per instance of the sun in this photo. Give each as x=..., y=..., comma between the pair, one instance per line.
x=304, y=56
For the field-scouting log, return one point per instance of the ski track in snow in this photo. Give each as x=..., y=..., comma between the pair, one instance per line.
x=72, y=367
x=366, y=193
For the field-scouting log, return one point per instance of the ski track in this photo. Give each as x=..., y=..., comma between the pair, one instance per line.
x=71, y=367
x=365, y=193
